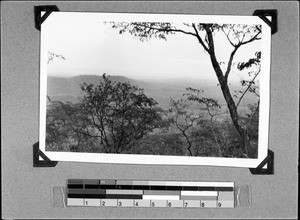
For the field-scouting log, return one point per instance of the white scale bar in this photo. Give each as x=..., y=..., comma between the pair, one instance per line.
x=142, y=203
x=150, y=203
x=156, y=183
x=124, y=192
x=212, y=184
x=161, y=197
x=126, y=202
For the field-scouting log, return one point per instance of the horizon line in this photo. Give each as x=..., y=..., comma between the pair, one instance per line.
x=139, y=78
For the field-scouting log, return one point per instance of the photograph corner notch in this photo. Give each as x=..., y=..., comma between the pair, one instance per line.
x=37, y=153
x=264, y=13
x=269, y=162
x=39, y=18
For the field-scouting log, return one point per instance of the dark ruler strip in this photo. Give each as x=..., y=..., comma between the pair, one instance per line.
x=88, y=196
x=105, y=196
x=190, y=188
x=174, y=188
x=224, y=188
x=158, y=187
x=206, y=188
x=123, y=196
x=75, y=186
x=86, y=191
x=124, y=187
x=141, y=187
x=108, y=186
x=88, y=186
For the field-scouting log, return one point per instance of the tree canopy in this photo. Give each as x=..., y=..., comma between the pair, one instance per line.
x=115, y=115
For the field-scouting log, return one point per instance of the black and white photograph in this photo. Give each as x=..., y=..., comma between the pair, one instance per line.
x=155, y=88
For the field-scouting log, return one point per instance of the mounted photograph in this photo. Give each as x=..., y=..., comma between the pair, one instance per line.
x=173, y=89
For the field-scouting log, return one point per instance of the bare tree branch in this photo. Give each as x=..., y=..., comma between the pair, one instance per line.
x=199, y=38
x=168, y=29
x=227, y=36
x=255, y=37
x=229, y=65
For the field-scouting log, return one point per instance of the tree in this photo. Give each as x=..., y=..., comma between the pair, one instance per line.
x=210, y=106
x=119, y=114
x=111, y=117
x=237, y=35
x=185, y=120
x=66, y=128
x=253, y=66
x=190, y=118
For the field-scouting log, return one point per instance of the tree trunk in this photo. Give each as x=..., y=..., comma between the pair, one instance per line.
x=234, y=114
x=229, y=100
x=232, y=108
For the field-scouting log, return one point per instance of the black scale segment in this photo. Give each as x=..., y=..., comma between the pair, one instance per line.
x=123, y=196
x=190, y=188
x=124, y=187
x=158, y=188
x=86, y=193
x=174, y=188
x=108, y=187
x=206, y=188
x=224, y=188
x=141, y=187
x=75, y=184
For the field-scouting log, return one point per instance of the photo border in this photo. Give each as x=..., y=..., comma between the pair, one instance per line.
x=161, y=159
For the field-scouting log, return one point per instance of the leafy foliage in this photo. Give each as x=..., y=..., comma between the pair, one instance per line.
x=66, y=128
x=160, y=144
x=144, y=30
x=117, y=115
x=188, y=128
x=236, y=33
x=194, y=95
x=250, y=62
x=189, y=114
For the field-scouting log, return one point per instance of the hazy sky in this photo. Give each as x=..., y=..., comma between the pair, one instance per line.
x=91, y=47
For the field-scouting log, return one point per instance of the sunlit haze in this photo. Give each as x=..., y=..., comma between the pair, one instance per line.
x=93, y=48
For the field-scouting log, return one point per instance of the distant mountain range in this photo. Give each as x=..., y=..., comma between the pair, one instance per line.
x=68, y=89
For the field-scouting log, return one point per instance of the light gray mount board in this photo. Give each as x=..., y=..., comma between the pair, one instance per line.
x=26, y=190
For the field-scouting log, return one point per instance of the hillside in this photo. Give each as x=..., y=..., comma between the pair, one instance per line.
x=68, y=89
